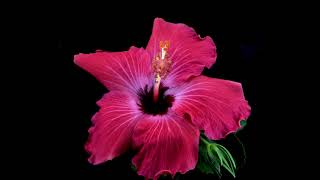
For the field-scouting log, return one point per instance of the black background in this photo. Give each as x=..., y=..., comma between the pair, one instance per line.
x=67, y=95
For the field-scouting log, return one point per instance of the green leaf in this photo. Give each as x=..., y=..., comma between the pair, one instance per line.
x=227, y=159
x=208, y=161
x=243, y=123
x=213, y=156
x=133, y=168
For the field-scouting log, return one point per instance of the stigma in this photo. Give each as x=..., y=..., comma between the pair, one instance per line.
x=161, y=65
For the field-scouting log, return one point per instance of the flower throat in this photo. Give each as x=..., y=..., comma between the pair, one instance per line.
x=149, y=106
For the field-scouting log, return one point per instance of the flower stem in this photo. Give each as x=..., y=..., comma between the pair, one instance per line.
x=204, y=140
x=156, y=88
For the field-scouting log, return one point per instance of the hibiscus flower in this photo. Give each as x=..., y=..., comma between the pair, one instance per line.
x=159, y=101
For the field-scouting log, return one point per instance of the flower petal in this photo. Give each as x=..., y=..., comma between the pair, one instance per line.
x=112, y=128
x=166, y=144
x=214, y=105
x=188, y=52
x=129, y=70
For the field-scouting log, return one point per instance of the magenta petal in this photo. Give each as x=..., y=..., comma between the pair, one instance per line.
x=129, y=70
x=189, y=53
x=112, y=128
x=165, y=144
x=214, y=105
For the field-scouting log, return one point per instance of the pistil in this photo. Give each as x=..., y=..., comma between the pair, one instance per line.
x=161, y=65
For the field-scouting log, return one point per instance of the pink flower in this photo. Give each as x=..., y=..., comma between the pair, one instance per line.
x=159, y=101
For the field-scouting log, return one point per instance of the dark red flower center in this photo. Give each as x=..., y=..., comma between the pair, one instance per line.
x=149, y=106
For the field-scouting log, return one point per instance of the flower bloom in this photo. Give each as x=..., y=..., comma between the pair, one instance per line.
x=159, y=101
